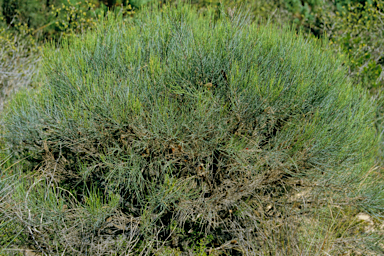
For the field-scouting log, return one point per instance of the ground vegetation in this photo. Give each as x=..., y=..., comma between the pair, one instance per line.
x=191, y=132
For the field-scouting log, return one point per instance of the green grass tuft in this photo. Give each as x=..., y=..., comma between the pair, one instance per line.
x=179, y=131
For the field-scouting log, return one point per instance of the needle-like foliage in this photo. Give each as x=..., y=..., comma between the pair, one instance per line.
x=186, y=125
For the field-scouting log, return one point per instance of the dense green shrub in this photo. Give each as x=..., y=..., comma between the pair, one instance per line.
x=359, y=30
x=53, y=19
x=344, y=21
x=24, y=25
x=177, y=127
x=354, y=26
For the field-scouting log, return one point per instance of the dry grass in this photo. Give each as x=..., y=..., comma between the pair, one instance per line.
x=19, y=63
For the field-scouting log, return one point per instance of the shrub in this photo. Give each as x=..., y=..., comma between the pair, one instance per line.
x=152, y=134
x=24, y=25
x=53, y=19
x=354, y=26
x=359, y=30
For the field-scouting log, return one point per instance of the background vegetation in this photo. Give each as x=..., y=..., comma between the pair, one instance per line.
x=307, y=214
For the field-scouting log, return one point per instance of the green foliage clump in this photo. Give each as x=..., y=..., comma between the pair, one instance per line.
x=54, y=19
x=359, y=30
x=354, y=26
x=177, y=126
